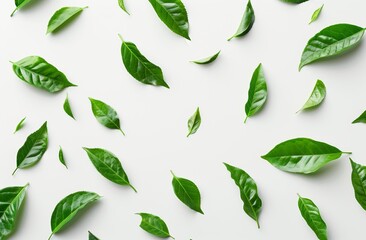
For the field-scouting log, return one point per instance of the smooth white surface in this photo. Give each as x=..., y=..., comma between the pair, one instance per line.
x=155, y=119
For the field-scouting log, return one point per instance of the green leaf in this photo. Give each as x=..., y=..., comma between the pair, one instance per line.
x=173, y=14
x=20, y=125
x=246, y=22
x=105, y=114
x=317, y=96
x=33, y=148
x=302, y=155
x=359, y=183
x=316, y=14
x=311, y=214
x=194, y=122
x=11, y=199
x=187, y=192
x=361, y=118
x=20, y=4
x=248, y=192
x=92, y=237
x=39, y=73
x=69, y=207
x=295, y=1
x=108, y=165
x=139, y=67
x=121, y=4
x=67, y=107
x=154, y=225
x=257, y=94
x=331, y=41
x=208, y=59
x=62, y=16
x=61, y=157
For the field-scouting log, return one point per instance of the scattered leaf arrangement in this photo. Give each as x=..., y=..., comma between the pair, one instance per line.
x=299, y=155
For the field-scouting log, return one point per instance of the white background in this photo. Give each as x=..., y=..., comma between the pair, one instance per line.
x=155, y=119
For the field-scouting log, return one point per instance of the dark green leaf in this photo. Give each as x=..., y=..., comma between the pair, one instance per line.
x=139, y=67
x=246, y=22
x=208, y=59
x=105, y=114
x=257, y=94
x=295, y=1
x=154, y=225
x=20, y=125
x=248, y=192
x=62, y=16
x=361, y=118
x=61, y=157
x=67, y=108
x=302, y=155
x=317, y=96
x=194, y=122
x=359, y=183
x=37, y=72
x=19, y=4
x=121, y=4
x=69, y=207
x=311, y=214
x=11, y=199
x=331, y=41
x=33, y=148
x=187, y=192
x=108, y=165
x=173, y=14
x=316, y=14
x=92, y=237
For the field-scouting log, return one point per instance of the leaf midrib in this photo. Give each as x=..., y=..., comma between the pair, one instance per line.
x=177, y=179
x=152, y=226
x=107, y=116
x=310, y=215
x=307, y=155
x=16, y=197
x=171, y=16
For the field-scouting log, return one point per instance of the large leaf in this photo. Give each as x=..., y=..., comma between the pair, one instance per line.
x=11, y=199
x=139, y=67
x=187, y=192
x=154, y=225
x=33, y=148
x=248, y=192
x=207, y=60
x=20, y=125
x=359, y=183
x=331, y=41
x=194, y=122
x=173, y=14
x=121, y=4
x=302, y=155
x=316, y=97
x=316, y=14
x=257, y=94
x=361, y=118
x=67, y=107
x=311, y=214
x=61, y=17
x=246, y=22
x=92, y=237
x=19, y=4
x=69, y=207
x=39, y=73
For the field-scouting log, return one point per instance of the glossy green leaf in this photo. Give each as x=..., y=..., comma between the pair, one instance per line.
x=207, y=60
x=173, y=14
x=20, y=4
x=331, y=41
x=154, y=225
x=361, y=118
x=39, y=73
x=248, y=192
x=33, y=149
x=257, y=94
x=302, y=155
x=295, y=1
x=108, y=165
x=194, y=122
x=105, y=115
x=11, y=199
x=62, y=16
x=69, y=207
x=67, y=107
x=246, y=22
x=187, y=192
x=311, y=214
x=20, y=125
x=139, y=67
x=359, y=182
x=317, y=96
x=121, y=4
x=316, y=14
x=61, y=157
x=92, y=237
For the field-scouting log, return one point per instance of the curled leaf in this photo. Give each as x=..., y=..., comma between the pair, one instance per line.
x=316, y=14
x=67, y=107
x=208, y=59
x=62, y=16
x=194, y=122
x=246, y=23
x=20, y=125
x=317, y=96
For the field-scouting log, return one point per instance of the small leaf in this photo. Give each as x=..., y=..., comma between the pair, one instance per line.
x=20, y=4
x=208, y=59
x=105, y=114
x=359, y=183
x=67, y=107
x=108, y=165
x=316, y=14
x=154, y=225
x=33, y=148
x=61, y=157
x=361, y=118
x=187, y=192
x=257, y=94
x=173, y=14
x=62, y=16
x=311, y=214
x=331, y=41
x=302, y=155
x=11, y=199
x=317, y=96
x=248, y=192
x=194, y=122
x=246, y=22
x=139, y=67
x=295, y=1
x=92, y=237
x=121, y=4
x=37, y=72
x=20, y=125
x=69, y=207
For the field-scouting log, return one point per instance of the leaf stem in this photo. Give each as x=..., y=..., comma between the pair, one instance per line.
x=122, y=131
x=172, y=173
x=120, y=36
x=258, y=223
x=13, y=12
x=14, y=171
x=133, y=188
x=347, y=152
x=245, y=120
x=85, y=7
x=50, y=236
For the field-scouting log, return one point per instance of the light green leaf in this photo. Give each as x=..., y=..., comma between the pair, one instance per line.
x=317, y=96
x=121, y=4
x=246, y=22
x=61, y=17
x=316, y=14
x=194, y=122
x=20, y=4
x=20, y=125
x=208, y=59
